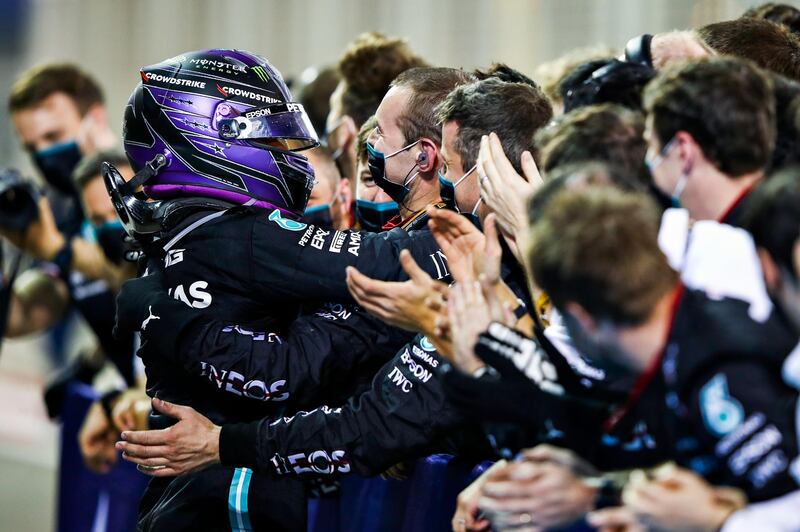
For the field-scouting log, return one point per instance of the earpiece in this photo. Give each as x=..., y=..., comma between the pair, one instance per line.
x=422, y=158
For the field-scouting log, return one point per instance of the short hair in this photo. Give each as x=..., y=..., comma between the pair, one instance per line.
x=787, y=122
x=38, y=83
x=769, y=45
x=726, y=104
x=90, y=166
x=324, y=166
x=515, y=111
x=772, y=216
x=580, y=175
x=503, y=72
x=783, y=14
x=316, y=96
x=363, y=136
x=429, y=87
x=598, y=247
x=606, y=132
x=367, y=69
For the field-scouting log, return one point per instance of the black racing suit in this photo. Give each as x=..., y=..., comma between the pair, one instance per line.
x=717, y=361
x=404, y=414
x=239, y=265
x=717, y=400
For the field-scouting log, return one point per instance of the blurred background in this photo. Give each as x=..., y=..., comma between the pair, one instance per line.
x=112, y=39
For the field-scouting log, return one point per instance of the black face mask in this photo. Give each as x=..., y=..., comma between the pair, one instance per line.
x=373, y=216
x=111, y=239
x=376, y=161
x=57, y=164
x=319, y=215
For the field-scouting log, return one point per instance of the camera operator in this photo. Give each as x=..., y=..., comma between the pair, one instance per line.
x=59, y=118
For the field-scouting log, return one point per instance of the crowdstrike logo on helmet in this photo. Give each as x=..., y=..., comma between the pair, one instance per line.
x=248, y=95
x=149, y=76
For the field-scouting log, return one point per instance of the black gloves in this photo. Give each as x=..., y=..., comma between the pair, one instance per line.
x=135, y=302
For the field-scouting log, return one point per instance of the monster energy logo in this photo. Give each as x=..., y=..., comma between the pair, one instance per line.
x=261, y=73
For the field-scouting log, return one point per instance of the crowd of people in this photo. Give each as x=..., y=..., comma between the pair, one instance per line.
x=591, y=280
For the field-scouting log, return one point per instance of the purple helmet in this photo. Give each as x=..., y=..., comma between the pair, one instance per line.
x=226, y=125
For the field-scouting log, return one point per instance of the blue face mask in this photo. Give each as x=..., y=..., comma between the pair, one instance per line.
x=110, y=237
x=319, y=215
x=373, y=215
x=57, y=164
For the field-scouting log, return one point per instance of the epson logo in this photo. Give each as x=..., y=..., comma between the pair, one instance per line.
x=148, y=76
x=258, y=113
x=235, y=383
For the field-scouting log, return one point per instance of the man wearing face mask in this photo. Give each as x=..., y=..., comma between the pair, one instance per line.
x=366, y=69
x=329, y=203
x=374, y=207
x=710, y=129
x=59, y=117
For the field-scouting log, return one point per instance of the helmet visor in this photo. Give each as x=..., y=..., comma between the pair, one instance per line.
x=284, y=125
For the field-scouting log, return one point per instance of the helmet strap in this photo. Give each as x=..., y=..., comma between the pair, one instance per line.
x=144, y=175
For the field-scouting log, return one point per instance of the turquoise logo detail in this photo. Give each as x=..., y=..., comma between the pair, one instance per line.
x=721, y=412
x=426, y=344
x=286, y=223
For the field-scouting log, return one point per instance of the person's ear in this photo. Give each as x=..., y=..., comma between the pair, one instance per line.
x=687, y=149
x=341, y=204
x=772, y=274
x=347, y=131
x=586, y=321
x=428, y=156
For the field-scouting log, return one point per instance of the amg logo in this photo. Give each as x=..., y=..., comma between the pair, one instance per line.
x=354, y=244
x=235, y=383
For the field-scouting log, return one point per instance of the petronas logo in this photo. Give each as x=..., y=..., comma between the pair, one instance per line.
x=261, y=73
